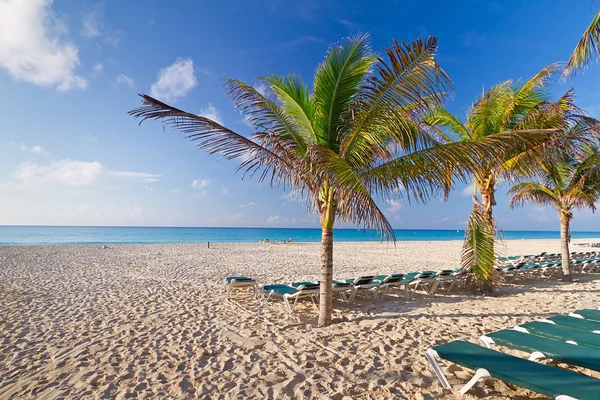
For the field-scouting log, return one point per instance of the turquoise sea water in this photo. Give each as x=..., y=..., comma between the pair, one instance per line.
x=104, y=235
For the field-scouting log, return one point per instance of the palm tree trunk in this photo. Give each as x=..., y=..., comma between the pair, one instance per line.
x=488, y=201
x=325, y=292
x=564, y=245
x=327, y=210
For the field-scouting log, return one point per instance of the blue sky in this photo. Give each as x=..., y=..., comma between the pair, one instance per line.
x=70, y=70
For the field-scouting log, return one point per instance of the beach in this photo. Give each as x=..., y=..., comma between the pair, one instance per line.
x=152, y=321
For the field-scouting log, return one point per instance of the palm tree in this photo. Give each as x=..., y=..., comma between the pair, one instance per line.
x=513, y=109
x=351, y=140
x=566, y=184
x=586, y=49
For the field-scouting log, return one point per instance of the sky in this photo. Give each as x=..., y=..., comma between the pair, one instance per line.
x=71, y=69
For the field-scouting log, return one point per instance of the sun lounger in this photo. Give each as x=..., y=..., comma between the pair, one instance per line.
x=539, y=348
x=344, y=289
x=363, y=284
x=391, y=282
x=592, y=315
x=576, y=323
x=235, y=282
x=289, y=293
x=562, y=333
x=424, y=280
x=553, y=382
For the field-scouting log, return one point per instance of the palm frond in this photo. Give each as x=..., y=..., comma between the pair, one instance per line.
x=534, y=193
x=441, y=118
x=295, y=100
x=402, y=89
x=337, y=82
x=215, y=138
x=586, y=49
x=477, y=255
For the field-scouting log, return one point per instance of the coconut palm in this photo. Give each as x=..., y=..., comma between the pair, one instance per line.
x=510, y=108
x=352, y=140
x=586, y=49
x=565, y=184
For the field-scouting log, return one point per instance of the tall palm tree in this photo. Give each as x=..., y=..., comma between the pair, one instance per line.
x=505, y=108
x=351, y=140
x=566, y=184
x=510, y=108
x=586, y=49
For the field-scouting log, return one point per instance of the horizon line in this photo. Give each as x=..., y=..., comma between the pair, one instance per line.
x=261, y=227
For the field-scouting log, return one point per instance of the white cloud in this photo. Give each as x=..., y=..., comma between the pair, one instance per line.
x=34, y=46
x=74, y=173
x=247, y=205
x=290, y=197
x=261, y=88
x=237, y=219
x=90, y=25
x=174, y=81
x=468, y=191
x=138, y=176
x=212, y=112
x=394, y=206
x=93, y=27
x=123, y=79
x=176, y=191
x=273, y=220
x=33, y=149
x=200, y=184
x=224, y=190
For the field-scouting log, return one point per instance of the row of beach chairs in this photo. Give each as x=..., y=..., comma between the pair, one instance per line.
x=572, y=339
x=375, y=286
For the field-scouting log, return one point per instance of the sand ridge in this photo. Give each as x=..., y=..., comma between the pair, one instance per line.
x=151, y=321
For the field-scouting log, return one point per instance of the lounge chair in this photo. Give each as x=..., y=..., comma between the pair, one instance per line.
x=235, y=282
x=288, y=293
x=425, y=280
x=592, y=315
x=344, y=289
x=576, y=323
x=391, y=282
x=553, y=382
x=544, y=348
x=562, y=333
x=362, y=284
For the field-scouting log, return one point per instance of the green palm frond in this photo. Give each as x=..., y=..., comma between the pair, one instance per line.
x=441, y=118
x=295, y=100
x=586, y=49
x=402, y=89
x=477, y=256
x=337, y=82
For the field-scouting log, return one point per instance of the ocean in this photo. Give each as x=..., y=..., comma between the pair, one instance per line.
x=30, y=235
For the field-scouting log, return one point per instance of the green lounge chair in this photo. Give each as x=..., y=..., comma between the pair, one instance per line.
x=342, y=288
x=576, y=323
x=592, y=315
x=288, y=293
x=236, y=282
x=425, y=280
x=389, y=282
x=362, y=284
x=553, y=382
x=562, y=333
x=539, y=348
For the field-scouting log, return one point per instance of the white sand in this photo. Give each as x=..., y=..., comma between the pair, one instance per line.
x=151, y=321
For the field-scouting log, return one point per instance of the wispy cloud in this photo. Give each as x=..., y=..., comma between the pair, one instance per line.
x=174, y=81
x=213, y=113
x=33, y=149
x=34, y=46
x=200, y=183
x=74, y=173
x=247, y=205
x=93, y=27
x=273, y=220
x=224, y=190
x=123, y=79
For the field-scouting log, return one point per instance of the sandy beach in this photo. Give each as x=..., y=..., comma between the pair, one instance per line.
x=151, y=321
